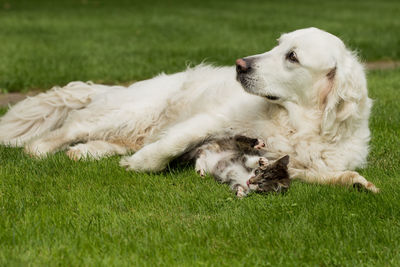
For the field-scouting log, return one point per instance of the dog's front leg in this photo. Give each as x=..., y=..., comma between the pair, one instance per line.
x=155, y=156
x=346, y=178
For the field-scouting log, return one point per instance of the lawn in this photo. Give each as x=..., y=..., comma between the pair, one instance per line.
x=44, y=43
x=59, y=212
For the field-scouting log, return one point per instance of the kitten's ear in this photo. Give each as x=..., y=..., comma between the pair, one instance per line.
x=284, y=161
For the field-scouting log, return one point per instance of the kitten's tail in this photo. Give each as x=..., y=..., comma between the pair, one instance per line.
x=44, y=112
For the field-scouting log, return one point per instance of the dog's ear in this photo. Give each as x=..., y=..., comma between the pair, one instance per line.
x=344, y=96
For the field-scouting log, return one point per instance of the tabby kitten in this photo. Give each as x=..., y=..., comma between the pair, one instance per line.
x=238, y=162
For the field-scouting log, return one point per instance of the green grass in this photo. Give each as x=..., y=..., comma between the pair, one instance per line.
x=44, y=42
x=60, y=212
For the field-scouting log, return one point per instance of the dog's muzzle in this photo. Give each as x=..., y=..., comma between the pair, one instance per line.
x=243, y=65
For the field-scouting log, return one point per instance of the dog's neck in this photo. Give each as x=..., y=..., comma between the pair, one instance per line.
x=303, y=120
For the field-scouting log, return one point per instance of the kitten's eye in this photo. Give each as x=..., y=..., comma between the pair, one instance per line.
x=257, y=172
x=292, y=57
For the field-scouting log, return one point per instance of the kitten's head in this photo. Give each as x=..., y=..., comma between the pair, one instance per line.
x=271, y=178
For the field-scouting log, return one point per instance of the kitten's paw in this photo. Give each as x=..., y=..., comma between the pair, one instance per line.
x=240, y=192
x=260, y=144
x=201, y=164
x=201, y=172
x=263, y=161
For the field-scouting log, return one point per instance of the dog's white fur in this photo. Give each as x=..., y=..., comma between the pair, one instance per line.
x=320, y=117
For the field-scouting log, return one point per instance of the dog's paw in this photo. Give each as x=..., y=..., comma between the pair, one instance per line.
x=132, y=163
x=369, y=187
x=80, y=151
x=260, y=144
x=141, y=164
x=125, y=163
x=263, y=162
x=74, y=154
x=83, y=152
x=358, y=181
x=37, y=150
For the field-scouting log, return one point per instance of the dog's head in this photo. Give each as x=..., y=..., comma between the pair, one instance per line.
x=309, y=68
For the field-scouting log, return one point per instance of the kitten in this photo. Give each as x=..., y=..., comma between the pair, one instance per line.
x=238, y=162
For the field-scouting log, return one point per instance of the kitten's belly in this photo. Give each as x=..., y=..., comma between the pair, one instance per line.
x=213, y=158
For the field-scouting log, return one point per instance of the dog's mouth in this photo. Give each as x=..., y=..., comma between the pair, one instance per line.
x=272, y=97
x=246, y=80
x=249, y=83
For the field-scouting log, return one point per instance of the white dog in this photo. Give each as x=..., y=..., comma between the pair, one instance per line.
x=306, y=98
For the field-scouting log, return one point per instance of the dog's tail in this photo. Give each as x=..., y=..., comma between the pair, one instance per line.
x=44, y=112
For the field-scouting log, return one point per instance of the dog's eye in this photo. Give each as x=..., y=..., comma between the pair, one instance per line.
x=291, y=56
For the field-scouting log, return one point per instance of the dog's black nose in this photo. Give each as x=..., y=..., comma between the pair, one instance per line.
x=242, y=65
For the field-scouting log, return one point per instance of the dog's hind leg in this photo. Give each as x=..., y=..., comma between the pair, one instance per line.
x=77, y=128
x=55, y=140
x=96, y=149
